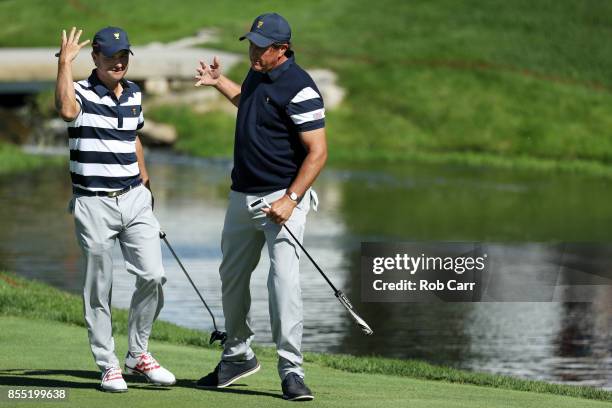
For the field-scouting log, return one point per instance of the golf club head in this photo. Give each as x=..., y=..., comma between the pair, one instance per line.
x=218, y=335
x=365, y=328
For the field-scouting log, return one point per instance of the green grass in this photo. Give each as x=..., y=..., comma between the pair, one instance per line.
x=61, y=358
x=13, y=160
x=335, y=378
x=209, y=135
x=212, y=135
x=424, y=79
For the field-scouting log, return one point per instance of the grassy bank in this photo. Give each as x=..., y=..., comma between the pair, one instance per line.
x=501, y=80
x=384, y=378
x=13, y=160
x=212, y=135
x=62, y=359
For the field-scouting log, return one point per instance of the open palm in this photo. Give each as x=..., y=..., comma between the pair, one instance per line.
x=70, y=45
x=208, y=74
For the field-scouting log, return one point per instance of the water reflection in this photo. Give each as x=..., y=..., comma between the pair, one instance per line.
x=553, y=341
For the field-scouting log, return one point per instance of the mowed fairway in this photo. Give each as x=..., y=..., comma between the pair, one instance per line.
x=38, y=353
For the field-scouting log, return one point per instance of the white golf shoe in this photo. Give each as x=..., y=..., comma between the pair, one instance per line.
x=145, y=364
x=112, y=380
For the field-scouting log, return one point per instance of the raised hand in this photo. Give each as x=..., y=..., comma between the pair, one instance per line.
x=70, y=45
x=208, y=74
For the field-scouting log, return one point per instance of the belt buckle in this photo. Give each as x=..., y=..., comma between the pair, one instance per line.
x=117, y=193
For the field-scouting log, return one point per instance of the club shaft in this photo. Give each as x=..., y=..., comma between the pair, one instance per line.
x=190, y=281
x=341, y=297
x=311, y=260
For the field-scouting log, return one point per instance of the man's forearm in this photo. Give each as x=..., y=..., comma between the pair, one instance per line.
x=309, y=171
x=281, y=209
x=65, y=98
x=142, y=167
x=229, y=89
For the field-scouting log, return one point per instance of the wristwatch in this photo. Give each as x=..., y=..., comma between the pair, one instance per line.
x=293, y=196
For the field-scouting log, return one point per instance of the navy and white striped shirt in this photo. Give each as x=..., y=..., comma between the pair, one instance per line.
x=275, y=107
x=102, y=138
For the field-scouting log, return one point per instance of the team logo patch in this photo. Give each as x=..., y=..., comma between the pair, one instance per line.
x=116, y=36
x=134, y=111
x=259, y=24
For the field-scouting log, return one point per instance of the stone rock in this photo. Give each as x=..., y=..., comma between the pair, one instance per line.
x=154, y=133
x=156, y=86
x=326, y=81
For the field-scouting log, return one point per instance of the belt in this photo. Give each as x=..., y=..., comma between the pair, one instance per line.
x=116, y=193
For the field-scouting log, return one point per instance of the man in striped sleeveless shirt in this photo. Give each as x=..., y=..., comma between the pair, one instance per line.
x=110, y=201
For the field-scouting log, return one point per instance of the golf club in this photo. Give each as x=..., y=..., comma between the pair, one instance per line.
x=216, y=334
x=365, y=328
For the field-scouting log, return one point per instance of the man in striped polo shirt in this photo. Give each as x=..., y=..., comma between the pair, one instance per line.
x=110, y=202
x=279, y=150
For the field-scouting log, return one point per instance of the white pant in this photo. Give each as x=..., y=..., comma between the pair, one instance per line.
x=99, y=222
x=244, y=235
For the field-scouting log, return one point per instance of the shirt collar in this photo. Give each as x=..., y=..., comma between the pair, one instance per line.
x=100, y=88
x=278, y=71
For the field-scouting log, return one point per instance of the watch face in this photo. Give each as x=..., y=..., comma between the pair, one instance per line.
x=293, y=196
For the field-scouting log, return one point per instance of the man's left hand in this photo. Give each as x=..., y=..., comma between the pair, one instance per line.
x=147, y=184
x=281, y=209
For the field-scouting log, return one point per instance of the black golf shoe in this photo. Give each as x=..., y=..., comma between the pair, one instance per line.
x=228, y=372
x=294, y=388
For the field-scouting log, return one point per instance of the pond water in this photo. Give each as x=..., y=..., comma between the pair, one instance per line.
x=554, y=341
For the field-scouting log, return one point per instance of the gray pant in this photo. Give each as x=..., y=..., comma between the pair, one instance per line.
x=99, y=222
x=244, y=235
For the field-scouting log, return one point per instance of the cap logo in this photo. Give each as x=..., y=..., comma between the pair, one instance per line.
x=259, y=24
x=116, y=36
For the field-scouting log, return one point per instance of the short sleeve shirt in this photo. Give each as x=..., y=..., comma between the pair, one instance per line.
x=274, y=108
x=102, y=138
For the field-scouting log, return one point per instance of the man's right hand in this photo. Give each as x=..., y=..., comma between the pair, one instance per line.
x=70, y=46
x=208, y=74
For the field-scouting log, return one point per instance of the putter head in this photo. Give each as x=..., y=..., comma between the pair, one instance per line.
x=218, y=335
x=365, y=328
